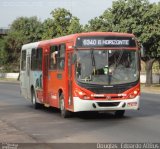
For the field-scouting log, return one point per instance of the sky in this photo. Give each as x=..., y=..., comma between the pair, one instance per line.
x=83, y=9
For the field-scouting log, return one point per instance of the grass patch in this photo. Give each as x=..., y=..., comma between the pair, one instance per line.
x=154, y=88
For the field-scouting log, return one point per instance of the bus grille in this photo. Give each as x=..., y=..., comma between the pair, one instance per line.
x=107, y=90
x=108, y=104
x=101, y=89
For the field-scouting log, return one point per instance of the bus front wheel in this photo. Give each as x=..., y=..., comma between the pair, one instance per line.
x=64, y=113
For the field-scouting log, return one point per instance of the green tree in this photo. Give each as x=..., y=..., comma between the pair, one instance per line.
x=75, y=26
x=49, y=29
x=14, y=41
x=23, y=30
x=151, y=38
x=62, y=20
x=95, y=24
x=62, y=23
x=3, y=52
x=30, y=27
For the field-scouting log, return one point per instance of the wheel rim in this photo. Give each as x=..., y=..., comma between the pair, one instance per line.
x=33, y=99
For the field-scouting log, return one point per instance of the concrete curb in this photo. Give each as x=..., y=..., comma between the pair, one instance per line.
x=9, y=75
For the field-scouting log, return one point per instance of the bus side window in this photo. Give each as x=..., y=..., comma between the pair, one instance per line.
x=23, y=60
x=39, y=59
x=36, y=59
x=61, y=57
x=53, y=57
x=33, y=59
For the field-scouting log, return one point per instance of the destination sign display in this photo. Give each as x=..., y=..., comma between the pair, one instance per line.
x=105, y=42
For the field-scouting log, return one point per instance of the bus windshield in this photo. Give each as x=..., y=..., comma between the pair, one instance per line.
x=107, y=67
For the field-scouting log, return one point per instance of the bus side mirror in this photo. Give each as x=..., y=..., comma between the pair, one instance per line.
x=74, y=58
x=143, y=51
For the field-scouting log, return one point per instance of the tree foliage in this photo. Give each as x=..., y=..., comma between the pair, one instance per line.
x=62, y=19
x=3, y=53
x=49, y=29
x=30, y=28
x=62, y=23
x=95, y=24
x=23, y=30
x=75, y=26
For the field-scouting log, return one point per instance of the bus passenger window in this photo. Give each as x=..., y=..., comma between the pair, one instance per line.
x=61, y=58
x=36, y=59
x=33, y=59
x=53, y=57
x=39, y=58
x=23, y=60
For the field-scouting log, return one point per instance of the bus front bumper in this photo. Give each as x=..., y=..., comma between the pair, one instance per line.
x=109, y=105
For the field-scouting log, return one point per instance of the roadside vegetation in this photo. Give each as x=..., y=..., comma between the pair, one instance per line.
x=132, y=16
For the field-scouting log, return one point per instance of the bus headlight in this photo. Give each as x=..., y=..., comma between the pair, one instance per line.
x=81, y=94
x=134, y=93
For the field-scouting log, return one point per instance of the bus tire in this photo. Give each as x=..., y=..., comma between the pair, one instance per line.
x=64, y=113
x=34, y=101
x=119, y=113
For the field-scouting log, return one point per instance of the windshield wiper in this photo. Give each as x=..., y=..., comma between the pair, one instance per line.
x=93, y=61
x=93, y=58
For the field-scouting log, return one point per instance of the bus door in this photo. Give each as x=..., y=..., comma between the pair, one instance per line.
x=53, y=73
x=69, y=79
x=36, y=73
x=45, y=79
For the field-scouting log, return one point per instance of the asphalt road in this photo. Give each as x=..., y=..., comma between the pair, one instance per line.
x=19, y=122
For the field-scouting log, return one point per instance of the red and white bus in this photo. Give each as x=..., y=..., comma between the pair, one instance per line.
x=95, y=71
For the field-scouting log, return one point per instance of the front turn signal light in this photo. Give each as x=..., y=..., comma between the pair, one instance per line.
x=134, y=93
x=81, y=94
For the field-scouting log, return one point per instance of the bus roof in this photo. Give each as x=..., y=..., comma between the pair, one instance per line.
x=73, y=37
x=30, y=45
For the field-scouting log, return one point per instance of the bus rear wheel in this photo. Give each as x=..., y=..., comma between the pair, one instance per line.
x=34, y=101
x=64, y=113
x=119, y=113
